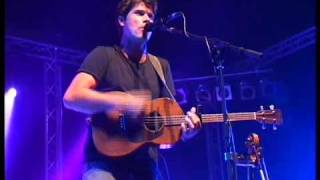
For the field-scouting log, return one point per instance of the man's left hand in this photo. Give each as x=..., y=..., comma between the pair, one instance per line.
x=191, y=126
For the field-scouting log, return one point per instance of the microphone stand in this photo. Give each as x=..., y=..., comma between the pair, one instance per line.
x=229, y=146
x=216, y=48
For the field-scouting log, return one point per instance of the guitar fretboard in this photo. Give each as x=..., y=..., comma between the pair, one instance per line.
x=206, y=118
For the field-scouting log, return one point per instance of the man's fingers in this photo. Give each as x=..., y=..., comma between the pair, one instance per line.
x=184, y=127
x=189, y=121
x=193, y=117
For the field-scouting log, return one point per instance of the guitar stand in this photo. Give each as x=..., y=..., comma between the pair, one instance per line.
x=253, y=159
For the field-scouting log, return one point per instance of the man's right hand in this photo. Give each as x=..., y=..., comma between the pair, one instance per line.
x=132, y=102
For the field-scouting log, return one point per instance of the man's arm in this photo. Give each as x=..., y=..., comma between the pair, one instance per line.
x=81, y=96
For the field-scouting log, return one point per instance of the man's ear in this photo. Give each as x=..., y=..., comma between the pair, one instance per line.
x=121, y=20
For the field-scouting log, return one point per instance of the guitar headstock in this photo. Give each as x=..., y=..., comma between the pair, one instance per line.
x=271, y=116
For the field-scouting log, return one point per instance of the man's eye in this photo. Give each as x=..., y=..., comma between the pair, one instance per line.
x=140, y=13
x=151, y=16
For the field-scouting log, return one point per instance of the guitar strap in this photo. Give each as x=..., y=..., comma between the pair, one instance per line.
x=158, y=68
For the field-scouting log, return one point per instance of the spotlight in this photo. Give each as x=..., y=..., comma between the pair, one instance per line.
x=12, y=92
x=227, y=92
x=9, y=104
x=247, y=91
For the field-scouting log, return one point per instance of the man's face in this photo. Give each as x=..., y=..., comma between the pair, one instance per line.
x=134, y=24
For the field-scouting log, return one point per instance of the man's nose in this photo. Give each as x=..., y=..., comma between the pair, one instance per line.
x=147, y=19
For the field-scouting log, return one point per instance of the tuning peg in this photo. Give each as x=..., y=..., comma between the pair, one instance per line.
x=271, y=107
x=261, y=108
x=274, y=127
x=263, y=126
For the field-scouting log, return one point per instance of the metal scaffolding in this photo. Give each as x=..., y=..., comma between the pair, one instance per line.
x=43, y=51
x=289, y=46
x=53, y=119
x=54, y=58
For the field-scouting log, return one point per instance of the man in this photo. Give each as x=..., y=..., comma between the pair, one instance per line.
x=122, y=78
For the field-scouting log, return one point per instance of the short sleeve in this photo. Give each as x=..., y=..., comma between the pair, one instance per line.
x=96, y=63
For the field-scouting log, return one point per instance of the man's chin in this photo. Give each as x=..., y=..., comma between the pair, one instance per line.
x=143, y=37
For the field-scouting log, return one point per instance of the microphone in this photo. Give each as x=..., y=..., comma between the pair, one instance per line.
x=151, y=26
x=172, y=17
x=161, y=23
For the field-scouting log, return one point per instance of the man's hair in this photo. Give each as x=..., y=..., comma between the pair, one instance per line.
x=125, y=6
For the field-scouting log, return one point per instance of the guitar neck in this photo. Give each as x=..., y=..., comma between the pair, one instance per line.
x=211, y=118
x=243, y=116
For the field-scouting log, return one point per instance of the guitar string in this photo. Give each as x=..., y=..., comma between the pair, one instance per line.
x=172, y=121
x=203, y=117
x=210, y=115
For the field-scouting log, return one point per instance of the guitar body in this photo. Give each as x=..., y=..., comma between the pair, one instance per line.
x=159, y=123
x=123, y=135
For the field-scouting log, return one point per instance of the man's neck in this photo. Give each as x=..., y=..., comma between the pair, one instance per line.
x=133, y=50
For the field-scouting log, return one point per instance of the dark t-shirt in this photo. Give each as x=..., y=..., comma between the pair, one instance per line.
x=114, y=72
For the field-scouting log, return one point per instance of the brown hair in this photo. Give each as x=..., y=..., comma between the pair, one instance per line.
x=124, y=7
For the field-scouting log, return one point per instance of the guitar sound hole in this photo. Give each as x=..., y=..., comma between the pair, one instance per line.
x=154, y=122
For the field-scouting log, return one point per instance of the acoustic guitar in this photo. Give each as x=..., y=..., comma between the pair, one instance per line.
x=160, y=123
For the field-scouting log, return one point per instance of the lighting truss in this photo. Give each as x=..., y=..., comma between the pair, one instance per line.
x=289, y=46
x=43, y=51
x=53, y=57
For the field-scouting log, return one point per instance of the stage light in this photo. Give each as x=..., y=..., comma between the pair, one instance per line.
x=247, y=91
x=72, y=163
x=12, y=92
x=227, y=92
x=9, y=104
